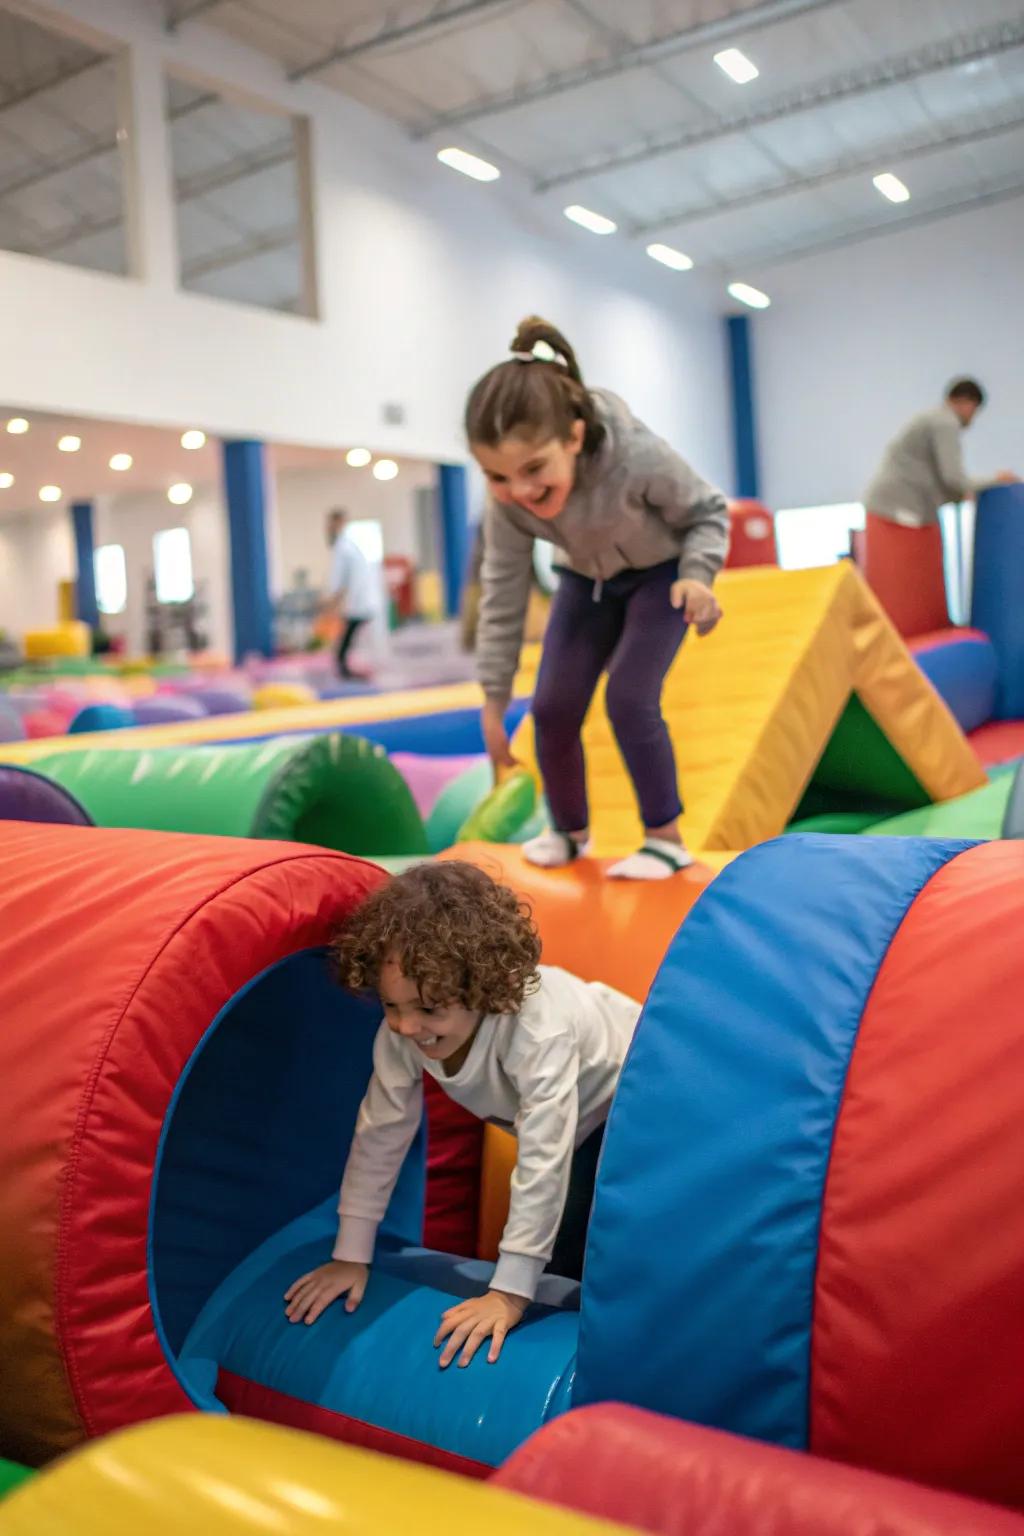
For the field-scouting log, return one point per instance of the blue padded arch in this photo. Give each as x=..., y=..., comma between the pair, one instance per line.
x=699, y=1280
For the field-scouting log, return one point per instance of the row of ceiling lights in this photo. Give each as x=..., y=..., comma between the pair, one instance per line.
x=179, y=494
x=741, y=70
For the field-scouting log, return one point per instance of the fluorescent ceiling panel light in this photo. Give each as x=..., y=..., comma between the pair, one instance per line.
x=385, y=469
x=469, y=165
x=737, y=66
x=50, y=493
x=670, y=257
x=891, y=187
x=193, y=439
x=587, y=219
x=69, y=443
x=748, y=295
x=358, y=458
x=120, y=461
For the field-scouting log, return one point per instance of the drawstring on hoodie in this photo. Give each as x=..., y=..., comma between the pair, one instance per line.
x=598, y=590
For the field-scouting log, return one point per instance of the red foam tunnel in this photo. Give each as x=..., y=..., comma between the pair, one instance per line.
x=118, y=952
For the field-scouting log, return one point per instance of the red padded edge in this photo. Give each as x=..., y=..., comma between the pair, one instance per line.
x=937, y=638
x=998, y=741
x=675, y=1479
x=904, y=569
x=455, y=1144
x=166, y=930
x=257, y=1402
x=918, y=1335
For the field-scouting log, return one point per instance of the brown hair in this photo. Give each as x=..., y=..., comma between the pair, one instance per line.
x=452, y=929
x=966, y=389
x=539, y=398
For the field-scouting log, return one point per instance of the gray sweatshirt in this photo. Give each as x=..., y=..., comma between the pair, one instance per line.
x=921, y=470
x=636, y=503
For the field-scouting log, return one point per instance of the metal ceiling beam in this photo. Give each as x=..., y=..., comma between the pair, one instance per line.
x=856, y=234
x=49, y=82
x=235, y=255
x=837, y=170
x=438, y=17
x=177, y=15
x=702, y=34
x=843, y=86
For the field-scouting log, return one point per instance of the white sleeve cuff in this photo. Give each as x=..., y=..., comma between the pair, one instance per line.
x=356, y=1238
x=518, y=1274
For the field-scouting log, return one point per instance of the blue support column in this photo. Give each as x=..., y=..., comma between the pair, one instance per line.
x=245, y=491
x=86, y=606
x=744, y=419
x=997, y=597
x=453, y=508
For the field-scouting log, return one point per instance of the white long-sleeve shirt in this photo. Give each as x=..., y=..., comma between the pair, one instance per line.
x=547, y=1073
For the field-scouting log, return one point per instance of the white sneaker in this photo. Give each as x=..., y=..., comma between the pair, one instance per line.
x=656, y=860
x=551, y=850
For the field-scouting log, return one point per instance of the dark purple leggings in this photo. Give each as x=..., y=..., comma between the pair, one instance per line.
x=632, y=630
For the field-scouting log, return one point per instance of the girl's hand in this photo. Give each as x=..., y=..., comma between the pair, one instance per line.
x=699, y=604
x=482, y=1317
x=312, y=1293
x=495, y=735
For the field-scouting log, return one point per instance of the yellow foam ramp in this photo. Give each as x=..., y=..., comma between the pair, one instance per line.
x=201, y=1474
x=752, y=706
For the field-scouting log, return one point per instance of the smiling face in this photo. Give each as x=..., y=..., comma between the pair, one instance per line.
x=439, y=1030
x=535, y=475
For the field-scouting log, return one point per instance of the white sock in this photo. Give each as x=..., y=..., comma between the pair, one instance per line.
x=553, y=849
x=656, y=860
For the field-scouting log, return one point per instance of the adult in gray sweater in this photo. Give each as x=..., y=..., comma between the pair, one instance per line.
x=921, y=470
x=643, y=537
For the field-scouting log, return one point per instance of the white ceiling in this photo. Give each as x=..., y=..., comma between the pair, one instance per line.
x=617, y=106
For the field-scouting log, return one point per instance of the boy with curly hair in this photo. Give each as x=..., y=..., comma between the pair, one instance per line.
x=454, y=958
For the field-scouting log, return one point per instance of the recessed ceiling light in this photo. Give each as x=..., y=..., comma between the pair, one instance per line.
x=385, y=469
x=193, y=438
x=17, y=425
x=69, y=443
x=595, y=222
x=120, y=461
x=670, y=257
x=469, y=165
x=891, y=187
x=748, y=295
x=737, y=66
x=179, y=495
x=6, y=480
x=50, y=493
x=358, y=458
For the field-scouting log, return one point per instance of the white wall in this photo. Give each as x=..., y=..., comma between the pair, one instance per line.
x=36, y=554
x=423, y=276
x=305, y=496
x=857, y=340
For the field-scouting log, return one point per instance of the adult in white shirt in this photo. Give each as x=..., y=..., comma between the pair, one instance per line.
x=453, y=957
x=353, y=587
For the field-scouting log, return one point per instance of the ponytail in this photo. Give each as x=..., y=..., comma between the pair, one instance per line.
x=539, y=392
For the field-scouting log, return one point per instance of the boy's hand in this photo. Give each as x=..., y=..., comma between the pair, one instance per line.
x=482, y=1317
x=495, y=735
x=307, y=1298
x=699, y=604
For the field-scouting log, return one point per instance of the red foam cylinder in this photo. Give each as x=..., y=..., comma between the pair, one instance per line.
x=674, y=1479
x=905, y=570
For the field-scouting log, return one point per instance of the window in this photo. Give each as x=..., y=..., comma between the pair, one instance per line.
x=172, y=565
x=809, y=536
x=111, y=578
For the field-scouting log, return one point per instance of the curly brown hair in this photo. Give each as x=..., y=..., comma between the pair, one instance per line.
x=461, y=936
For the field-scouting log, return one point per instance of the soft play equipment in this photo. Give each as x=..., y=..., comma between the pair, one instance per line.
x=990, y=812
x=428, y=776
x=767, y=1208
x=12, y=726
x=100, y=717
x=337, y=791
x=28, y=796
x=804, y=682
x=671, y=1479
x=996, y=606
x=439, y=721
x=72, y=638
x=221, y=700
x=504, y=811
x=282, y=695
x=12, y=1475
x=181, y=1476
x=164, y=708
x=903, y=566
x=751, y=535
